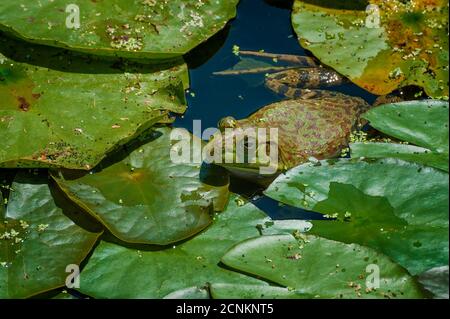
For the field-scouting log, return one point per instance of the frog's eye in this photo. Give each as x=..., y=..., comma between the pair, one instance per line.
x=227, y=122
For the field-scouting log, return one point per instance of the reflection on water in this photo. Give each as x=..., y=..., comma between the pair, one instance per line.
x=260, y=25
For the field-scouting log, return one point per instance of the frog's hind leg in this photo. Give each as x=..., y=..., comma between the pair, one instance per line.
x=304, y=78
x=298, y=93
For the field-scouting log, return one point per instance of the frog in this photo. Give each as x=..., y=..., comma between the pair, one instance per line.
x=312, y=124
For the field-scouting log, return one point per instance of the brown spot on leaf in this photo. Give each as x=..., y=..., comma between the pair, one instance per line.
x=23, y=104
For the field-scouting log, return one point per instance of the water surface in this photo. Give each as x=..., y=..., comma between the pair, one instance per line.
x=260, y=25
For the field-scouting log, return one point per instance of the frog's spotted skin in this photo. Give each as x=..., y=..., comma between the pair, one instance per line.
x=311, y=123
x=291, y=83
x=307, y=128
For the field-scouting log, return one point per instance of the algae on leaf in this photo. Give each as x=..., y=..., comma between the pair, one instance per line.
x=38, y=240
x=392, y=45
x=61, y=110
x=151, y=29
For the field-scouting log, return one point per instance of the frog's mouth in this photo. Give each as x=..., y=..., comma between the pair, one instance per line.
x=251, y=173
x=249, y=166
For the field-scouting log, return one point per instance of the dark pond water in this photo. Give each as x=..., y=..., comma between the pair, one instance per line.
x=260, y=25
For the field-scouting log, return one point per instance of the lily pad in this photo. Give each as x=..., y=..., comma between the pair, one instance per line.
x=37, y=240
x=315, y=267
x=114, y=271
x=144, y=196
x=407, y=45
x=189, y=293
x=423, y=123
x=396, y=207
x=150, y=29
x=72, y=111
x=236, y=291
x=404, y=152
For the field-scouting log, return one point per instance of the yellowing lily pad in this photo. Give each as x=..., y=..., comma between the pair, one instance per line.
x=71, y=111
x=391, y=45
x=146, y=197
x=37, y=240
x=127, y=28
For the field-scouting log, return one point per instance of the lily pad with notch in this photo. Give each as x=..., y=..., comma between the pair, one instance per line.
x=143, y=196
x=396, y=207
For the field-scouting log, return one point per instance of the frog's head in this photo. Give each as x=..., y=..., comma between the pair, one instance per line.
x=245, y=150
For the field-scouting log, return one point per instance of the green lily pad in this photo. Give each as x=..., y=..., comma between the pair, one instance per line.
x=315, y=267
x=423, y=123
x=37, y=240
x=114, y=271
x=236, y=291
x=404, y=152
x=145, y=197
x=149, y=29
x=371, y=221
x=408, y=46
x=189, y=293
x=72, y=111
x=396, y=207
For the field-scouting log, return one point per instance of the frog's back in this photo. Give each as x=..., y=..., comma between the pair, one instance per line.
x=307, y=128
